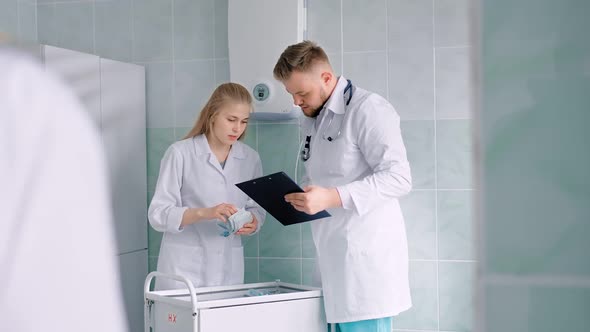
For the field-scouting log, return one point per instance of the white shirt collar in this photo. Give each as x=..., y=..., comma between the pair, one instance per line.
x=336, y=101
x=202, y=147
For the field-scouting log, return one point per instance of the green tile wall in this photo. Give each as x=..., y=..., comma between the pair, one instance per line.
x=535, y=216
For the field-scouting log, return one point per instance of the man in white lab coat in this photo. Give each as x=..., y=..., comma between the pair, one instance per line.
x=57, y=258
x=356, y=167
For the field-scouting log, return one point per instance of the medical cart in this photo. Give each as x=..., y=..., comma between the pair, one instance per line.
x=257, y=307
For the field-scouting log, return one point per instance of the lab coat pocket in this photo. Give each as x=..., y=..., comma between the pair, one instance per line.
x=237, y=273
x=186, y=260
x=338, y=157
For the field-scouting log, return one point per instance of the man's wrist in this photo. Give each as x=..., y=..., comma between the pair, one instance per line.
x=335, y=200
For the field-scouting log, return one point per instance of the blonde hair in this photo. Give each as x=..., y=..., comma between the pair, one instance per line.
x=299, y=57
x=224, y=94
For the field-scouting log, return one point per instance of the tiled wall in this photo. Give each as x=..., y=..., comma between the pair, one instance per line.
x=535, y=216
x=18, y=19
x=414, y=52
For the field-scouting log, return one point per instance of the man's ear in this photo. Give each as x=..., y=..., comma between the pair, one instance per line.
x=326, y=77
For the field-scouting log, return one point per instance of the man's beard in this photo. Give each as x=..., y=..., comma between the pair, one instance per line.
x=318, y=110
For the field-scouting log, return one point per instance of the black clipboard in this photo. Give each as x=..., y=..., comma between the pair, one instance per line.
x=269, y=192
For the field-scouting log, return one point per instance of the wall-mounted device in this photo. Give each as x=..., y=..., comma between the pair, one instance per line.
x=258, y=32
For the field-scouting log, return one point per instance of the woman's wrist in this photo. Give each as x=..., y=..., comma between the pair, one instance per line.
x=191, y=216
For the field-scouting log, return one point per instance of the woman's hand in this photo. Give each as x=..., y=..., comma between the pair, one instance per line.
x=249, y=228
x=221, y=212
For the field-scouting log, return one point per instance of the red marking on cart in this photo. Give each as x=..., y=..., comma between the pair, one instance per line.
x=172, y=318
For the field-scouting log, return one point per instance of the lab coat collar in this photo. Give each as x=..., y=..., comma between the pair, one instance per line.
x=336, y=101
x=202, y=147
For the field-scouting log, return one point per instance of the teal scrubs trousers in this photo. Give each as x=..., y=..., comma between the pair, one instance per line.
x=371, y=325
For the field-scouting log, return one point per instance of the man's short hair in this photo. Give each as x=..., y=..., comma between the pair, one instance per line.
x=299, y=57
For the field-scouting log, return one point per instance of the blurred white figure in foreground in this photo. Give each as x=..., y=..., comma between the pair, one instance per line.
x=58, y=269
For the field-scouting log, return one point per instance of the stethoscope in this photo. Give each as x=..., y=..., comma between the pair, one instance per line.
x=305, y=153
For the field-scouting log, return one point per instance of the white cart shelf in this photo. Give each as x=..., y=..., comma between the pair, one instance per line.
x=286, y=308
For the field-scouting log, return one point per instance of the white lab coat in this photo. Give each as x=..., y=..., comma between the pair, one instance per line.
x=191, y=177
x=362, y=249
x=57, y=251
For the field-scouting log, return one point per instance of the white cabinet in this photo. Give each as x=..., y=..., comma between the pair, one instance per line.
x=80, y=71
x=114, y=95
x=113, y=92
x=134, y=268
x=123, y=135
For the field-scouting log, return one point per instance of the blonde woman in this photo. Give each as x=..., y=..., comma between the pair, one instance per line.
x=195, y=191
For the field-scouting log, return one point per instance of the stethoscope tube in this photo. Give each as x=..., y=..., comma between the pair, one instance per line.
x=346, y=89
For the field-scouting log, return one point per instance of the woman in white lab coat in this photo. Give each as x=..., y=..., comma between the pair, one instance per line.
x=196, y=190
